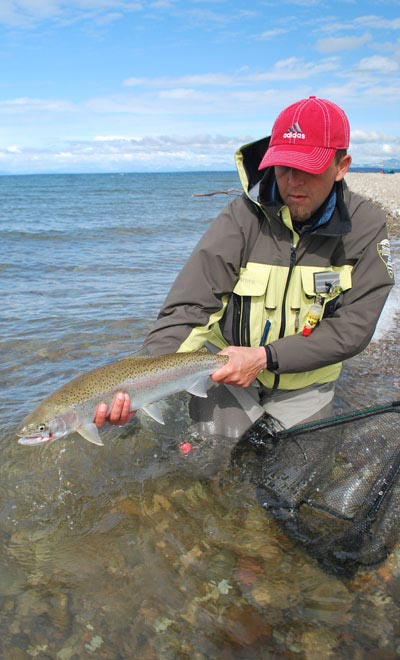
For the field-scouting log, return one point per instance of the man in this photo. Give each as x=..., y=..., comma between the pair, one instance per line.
x=288, y=281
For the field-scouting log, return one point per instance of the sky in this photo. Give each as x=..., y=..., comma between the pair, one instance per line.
x=175, y=85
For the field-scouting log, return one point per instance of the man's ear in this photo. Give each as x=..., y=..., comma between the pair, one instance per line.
x=343, y=167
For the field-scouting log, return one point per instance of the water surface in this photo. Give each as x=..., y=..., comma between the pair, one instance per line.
x=135, y=550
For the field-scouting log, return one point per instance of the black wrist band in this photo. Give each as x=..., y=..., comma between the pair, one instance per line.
x=272, y=365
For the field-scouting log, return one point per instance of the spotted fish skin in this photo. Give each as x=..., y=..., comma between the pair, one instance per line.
x=146, y=379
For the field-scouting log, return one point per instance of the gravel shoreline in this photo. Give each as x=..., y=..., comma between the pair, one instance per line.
x=372, y=377
x=384, y=189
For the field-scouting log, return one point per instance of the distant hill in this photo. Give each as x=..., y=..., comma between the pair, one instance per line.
x=388, y=164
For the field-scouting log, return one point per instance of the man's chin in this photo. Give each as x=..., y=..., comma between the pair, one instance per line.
x=299, y=214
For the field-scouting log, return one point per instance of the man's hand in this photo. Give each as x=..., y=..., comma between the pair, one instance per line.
x=245, y=363
x=118, y=414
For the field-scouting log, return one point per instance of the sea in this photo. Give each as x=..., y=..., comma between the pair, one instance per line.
x=134, y=550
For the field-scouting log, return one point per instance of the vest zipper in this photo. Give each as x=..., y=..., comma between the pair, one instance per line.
x=292, y=263
x=241, y=320
x=293, y=254
x=236, y=320
x=245, y=325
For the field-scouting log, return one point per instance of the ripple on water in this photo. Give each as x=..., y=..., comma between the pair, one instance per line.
x=134, y=549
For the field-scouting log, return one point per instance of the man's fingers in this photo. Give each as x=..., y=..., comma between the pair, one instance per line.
x=118, y=414
x=119, y=409
x=245, y=363
x=126, y=413
x=221, y=373
x=100, y=416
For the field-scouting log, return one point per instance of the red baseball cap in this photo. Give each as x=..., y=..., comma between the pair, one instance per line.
x=306, y=135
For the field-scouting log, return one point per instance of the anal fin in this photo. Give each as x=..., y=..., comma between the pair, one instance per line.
x=200, y=387
x=153, y=411
x=90, y=432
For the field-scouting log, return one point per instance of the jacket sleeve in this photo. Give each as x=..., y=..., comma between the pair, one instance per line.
x=349, y=330
x=200, y=293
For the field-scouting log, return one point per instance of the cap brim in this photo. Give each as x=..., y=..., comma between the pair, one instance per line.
x=309, y=159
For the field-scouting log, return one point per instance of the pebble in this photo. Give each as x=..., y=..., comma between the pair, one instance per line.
x=383, y=189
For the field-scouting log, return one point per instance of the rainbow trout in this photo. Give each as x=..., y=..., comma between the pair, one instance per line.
x=145, y=379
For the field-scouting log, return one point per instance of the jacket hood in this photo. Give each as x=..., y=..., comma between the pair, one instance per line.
x=247, y=159
x=258, y=183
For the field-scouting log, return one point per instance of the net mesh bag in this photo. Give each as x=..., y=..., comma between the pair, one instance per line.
x=334, y=485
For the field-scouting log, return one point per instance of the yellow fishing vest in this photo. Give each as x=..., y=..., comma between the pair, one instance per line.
x=279, y=298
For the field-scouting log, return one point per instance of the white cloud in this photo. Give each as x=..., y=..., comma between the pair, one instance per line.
x=162, y=4
x=167, y=152
x=26, y=105
x=388, y=149
x=338, y=44
x=377, y=22
x=305, y=3
x=180, y=94
x=271, y=34
x=111, y=138
x=369, y=22
x=298, y=68
x=373, y=148
x=359, y=136
x=161, y=152
x=366, y=94
x=29, y=13
x=378, y=64
x=23, y=12
x=287, y=69
x=204, y=79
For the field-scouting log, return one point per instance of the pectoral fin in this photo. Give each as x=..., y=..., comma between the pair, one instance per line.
x=153, y=411
x=200, y=387
x=90, y=432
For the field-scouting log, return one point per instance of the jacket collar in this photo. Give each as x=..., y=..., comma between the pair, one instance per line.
x=258, y=186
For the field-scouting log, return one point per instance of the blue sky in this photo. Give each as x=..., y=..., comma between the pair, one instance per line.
x=122, y=85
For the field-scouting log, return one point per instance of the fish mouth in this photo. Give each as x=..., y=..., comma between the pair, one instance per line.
x=32, y=440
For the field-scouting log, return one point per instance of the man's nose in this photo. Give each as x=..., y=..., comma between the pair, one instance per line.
x=296, y=176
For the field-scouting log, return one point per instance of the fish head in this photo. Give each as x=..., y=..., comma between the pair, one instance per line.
x=38, y=432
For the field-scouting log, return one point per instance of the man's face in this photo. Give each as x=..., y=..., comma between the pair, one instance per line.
x=302, y=192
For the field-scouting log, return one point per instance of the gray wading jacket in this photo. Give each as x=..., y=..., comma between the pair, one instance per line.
x=252, y=279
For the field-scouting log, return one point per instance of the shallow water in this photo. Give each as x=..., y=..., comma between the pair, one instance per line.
x=135, y=550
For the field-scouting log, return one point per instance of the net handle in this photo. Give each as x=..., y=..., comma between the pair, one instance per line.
x=394, y=406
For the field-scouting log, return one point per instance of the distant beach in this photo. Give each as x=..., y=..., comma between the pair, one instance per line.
x=381, y=188
x=378, y=364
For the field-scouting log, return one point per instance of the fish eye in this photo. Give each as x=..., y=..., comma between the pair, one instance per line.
x=42, y=427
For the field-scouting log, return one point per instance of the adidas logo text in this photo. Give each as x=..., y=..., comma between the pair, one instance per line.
x=295, y=131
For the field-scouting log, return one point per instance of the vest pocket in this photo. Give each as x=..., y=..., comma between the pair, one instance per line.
x=328, y=284
x=251, y=309
x=256, y=311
